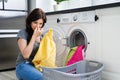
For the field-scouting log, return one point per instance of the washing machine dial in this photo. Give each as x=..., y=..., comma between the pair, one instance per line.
x=75, y=17
x=58, y=20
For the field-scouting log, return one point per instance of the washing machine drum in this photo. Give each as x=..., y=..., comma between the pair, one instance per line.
x=77, y=38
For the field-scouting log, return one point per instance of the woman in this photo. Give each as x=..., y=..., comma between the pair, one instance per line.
x=28, y=42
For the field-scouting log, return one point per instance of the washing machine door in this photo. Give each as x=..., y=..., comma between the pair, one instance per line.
x=77, y=37
x=61, y=48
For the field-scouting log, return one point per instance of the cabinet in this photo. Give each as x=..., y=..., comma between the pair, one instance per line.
x=13, y=4
x=0, y=4
x=11, y=8
x=12, y=19
x=16, y=4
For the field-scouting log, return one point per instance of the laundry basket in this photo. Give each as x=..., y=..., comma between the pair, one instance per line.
x=82, y=70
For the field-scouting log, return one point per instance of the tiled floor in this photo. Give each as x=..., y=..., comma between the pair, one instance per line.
x=8, y=75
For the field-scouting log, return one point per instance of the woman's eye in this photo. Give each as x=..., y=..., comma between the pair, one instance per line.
x=35, y=22
x=41, y=23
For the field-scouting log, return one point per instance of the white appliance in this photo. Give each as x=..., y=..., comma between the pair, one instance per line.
x=68, y=31
x=9, y=27
x=102, y=34
x=12, y=19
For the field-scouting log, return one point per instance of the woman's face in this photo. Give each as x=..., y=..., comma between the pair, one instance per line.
x=38, y=23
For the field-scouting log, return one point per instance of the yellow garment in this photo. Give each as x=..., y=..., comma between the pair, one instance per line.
x=46, y=54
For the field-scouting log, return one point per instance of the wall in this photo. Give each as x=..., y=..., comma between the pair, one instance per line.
x=98, y=2
x=47, y=5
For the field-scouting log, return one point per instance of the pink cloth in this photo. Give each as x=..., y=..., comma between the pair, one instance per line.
x=77, y=56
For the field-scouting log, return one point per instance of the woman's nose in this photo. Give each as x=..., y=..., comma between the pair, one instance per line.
x=37, y=25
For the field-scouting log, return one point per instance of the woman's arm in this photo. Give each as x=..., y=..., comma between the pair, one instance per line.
x=25, y=49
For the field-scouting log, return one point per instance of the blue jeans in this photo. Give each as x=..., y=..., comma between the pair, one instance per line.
x=26, y=71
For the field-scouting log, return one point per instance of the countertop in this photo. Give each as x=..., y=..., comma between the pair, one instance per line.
x=85, y=8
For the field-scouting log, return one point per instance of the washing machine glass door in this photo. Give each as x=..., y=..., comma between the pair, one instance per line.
x=77, y=37
x=61, y=48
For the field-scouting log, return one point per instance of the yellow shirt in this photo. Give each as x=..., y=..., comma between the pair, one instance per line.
x=46, y=54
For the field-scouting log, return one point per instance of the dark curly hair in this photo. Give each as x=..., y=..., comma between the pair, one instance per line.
x=36, y=14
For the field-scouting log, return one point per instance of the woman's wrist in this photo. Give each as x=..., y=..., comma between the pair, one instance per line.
x=33, y=38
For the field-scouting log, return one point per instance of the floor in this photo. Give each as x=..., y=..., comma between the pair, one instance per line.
x=8, y=75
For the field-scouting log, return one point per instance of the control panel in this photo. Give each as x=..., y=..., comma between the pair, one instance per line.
x=88, y=16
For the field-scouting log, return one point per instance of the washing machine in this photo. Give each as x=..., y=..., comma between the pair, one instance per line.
x=68, y=32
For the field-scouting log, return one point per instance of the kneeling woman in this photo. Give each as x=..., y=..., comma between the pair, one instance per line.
x=28, y=42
